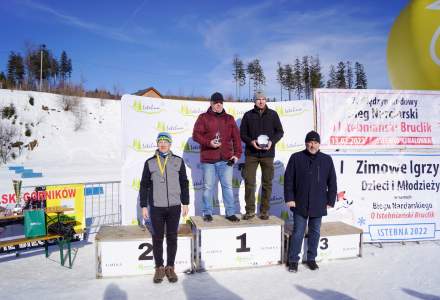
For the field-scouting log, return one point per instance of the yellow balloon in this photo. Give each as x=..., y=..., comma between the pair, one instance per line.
x=413, y=52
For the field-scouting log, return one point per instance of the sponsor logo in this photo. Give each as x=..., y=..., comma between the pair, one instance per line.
x=236, y=113
x=287, y=146
x=284, y=215
x=171, y=128
x=246, y=260
x=281, y=180
x=190, y=147
x=236, y=183
x=136, y=184
x=286, y=111
x=276, y=200
x=149, y=109
x=139, y=146
x=114, y=265
x=196, y=185
x=188, y=111
x=278, y=164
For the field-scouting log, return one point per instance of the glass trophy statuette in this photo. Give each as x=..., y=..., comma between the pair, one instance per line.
x=263, y=141
x=217, y=139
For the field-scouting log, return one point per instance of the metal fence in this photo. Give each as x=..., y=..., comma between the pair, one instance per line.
x=102, y=204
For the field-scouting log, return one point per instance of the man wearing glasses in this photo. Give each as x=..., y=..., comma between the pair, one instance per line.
x=260, y=130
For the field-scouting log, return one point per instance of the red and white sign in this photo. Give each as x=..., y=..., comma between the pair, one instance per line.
x=378, y=119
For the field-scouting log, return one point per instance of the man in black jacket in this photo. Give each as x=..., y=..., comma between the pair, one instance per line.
x=309, y=187
x=260, y=130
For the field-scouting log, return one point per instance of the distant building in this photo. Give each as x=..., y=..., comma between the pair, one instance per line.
x=150, y=92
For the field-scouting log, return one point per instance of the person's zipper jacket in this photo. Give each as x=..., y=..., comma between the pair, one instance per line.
x=205, y=129
x=255, y=124
x=310, y=181
x=165, y=190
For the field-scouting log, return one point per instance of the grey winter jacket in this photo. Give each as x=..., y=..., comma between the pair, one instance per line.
x=164, y=191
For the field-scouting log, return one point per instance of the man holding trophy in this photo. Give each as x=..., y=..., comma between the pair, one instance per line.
x=220, y=148
x=260, y=130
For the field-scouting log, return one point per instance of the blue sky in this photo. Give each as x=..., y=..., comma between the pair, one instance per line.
x=187, y=47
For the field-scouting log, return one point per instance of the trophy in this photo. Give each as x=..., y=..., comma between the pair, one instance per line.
x=17, y=190
x=263, y=141
x=217, y=139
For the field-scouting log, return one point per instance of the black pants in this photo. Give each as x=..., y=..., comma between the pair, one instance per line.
x=165, y=218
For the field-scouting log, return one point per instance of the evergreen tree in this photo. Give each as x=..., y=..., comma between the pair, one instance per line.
x=69, y=68
x=297, y=79
x=49, y=66
x=15, y=70
x=239, y=75
x=2, y=80
x=241, y=78
x=305, y=76
x=251, y=74
x=315, y=73
x=331, y=82
x=281, y=78
x=349, y=75
x=289, y=80
x=361, y=77
x=235, y=73
x=11, y=69
x=64, y=66
x=19, y=70
x=255, y=72
x=259, y=78
x=340, y=76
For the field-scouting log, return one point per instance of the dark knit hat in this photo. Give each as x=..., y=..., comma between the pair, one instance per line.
x=313, y=136
x=217, y=98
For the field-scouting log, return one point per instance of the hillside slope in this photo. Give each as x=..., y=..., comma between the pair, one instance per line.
x=91, y=152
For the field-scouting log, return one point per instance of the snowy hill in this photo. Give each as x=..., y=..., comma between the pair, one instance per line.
x=85, y=141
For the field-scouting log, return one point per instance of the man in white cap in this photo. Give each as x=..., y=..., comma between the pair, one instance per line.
x=260, y=130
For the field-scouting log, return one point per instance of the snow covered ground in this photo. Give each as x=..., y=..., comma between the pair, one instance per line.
x=396, y=271
x=65, y=155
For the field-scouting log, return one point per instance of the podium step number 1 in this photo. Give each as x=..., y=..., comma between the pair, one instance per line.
x=222, y=244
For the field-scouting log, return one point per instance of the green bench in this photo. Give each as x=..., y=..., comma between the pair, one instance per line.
x=61, y=241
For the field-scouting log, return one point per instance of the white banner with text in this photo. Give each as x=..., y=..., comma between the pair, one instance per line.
x=391, y=196
x=378, y=119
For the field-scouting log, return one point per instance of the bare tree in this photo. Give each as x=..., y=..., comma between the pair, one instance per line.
x=8, y=133
x=69, y=103
x=80, y=118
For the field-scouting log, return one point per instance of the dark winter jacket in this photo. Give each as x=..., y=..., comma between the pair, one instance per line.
x=164, y=191
x=311, y=183
x=254, y=124
x=205, y=129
